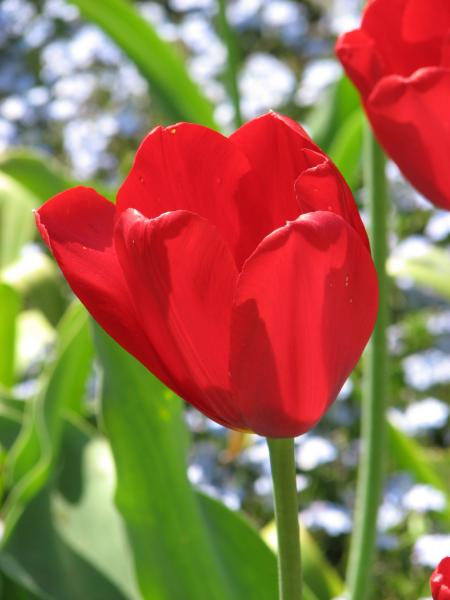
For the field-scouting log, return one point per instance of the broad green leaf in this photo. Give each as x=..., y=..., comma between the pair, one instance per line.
x=10, y=590
x=168, y=526
x=34, y=336
x=62, y=389
x=41, y=175
x=242, y=550
x=69, y=543
x=16, y=218
x=346, y=148
x=320, y=577
x=430, y=270
x=9, y=310
x=11, y=413
x=157, y=60
x=327, y=117
x=36, y=277
x=408, y=455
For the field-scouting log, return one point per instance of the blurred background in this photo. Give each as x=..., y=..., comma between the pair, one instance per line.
x=76, y=99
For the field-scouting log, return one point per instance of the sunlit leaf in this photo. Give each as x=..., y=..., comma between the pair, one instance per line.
x=346, y=148
x=9, y=309
x=157, y=60
x=170, y=530
x=408, y=455
x=431, y=270
x=16, y=218
x=327, y=117
x=62, y=389
x=320, y=577
x=40, y=175
x=70, y=543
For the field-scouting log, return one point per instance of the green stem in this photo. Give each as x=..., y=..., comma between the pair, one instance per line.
x=282, y=462
x=229, y=40
x=370, y=475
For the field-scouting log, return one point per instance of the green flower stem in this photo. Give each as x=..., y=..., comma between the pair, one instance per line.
x=373, y=425
x=229, y=40
x=286, y=515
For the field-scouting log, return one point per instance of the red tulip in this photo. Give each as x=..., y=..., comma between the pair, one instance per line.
x=440, y=580
x=399, y=60
x=236, y=270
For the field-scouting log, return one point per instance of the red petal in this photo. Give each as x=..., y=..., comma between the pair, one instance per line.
x=322, y=187
x=387, y=22
x=77, y=225
x=445, y=52
x=411, y=119
x=305, y=307
x=425, y=21
x=190, y=167
x=182, y=278
x=274, y=146
x=358, y=54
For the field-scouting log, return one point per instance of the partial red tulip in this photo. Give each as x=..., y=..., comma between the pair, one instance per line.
x=399, y=59
x=237, y=270
x=440, y=580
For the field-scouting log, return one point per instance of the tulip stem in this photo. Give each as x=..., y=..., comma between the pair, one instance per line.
x=373, y=421
x=282, y=462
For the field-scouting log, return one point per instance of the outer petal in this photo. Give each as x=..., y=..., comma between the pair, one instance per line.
x=191, y=167
x=182, y=278
x=274, y=146
x=322, y=187
x=411, y=119
x=440, y=580
x=425, y=21
x=304, y=310
x=77, y=226
x=361, y=60
x=394, y=27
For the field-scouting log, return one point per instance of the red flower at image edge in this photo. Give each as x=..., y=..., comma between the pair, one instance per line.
x=399, y=60
x=237, y=270
x=440, y=580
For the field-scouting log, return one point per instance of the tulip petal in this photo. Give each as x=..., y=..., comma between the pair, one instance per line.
x=322, y=187
x=358, y=54
x=183, y=277
x=425, y=21
x=411, y=119
x=305, y=306
x=77, y=226
x=394, y=26
x=274, y=146
x=191, y=167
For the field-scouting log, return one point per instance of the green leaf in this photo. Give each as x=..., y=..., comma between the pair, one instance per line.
x=41, y=175
x=169, y=529
x=69, y=542
x=241, y=550
x=346, y=148
x=9, y=310
x=16, y=218
x=37, y=278
x=430, y=270
x=11, y=412
x=62, y=389
x=327, y=117
x=320, y=577
x=156, y=59
x=408, y=455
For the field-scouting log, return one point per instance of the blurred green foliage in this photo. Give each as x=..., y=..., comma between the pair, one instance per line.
x=96, y=502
